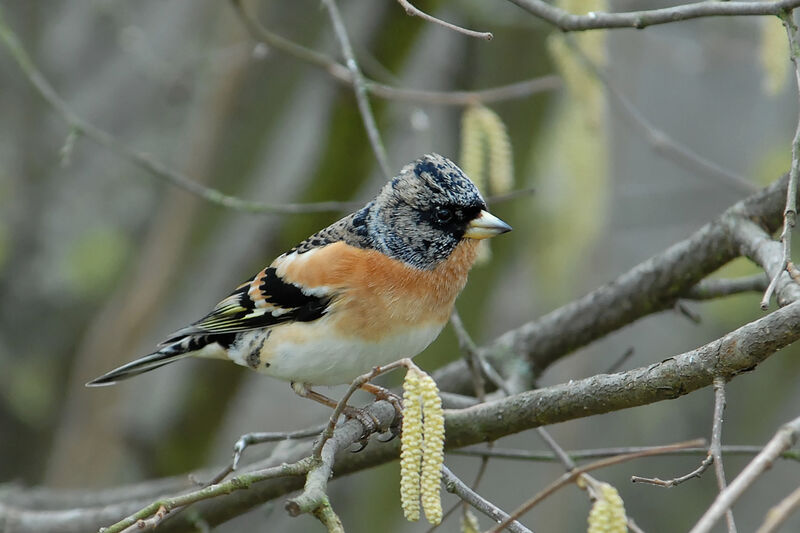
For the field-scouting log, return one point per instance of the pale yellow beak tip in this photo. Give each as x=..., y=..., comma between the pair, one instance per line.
x=486, y=225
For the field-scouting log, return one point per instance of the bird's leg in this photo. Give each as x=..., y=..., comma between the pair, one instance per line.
x=369, y=422
x=382, y=393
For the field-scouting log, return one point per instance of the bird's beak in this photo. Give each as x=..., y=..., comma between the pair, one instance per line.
x=485, y=225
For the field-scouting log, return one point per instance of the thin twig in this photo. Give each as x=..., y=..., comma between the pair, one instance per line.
x=239, y=482
x=460, y=489
x=756, y=243
x=359, y=88
x=572, y=475
x=566, y=21
x=580, y=455
x=470, y=351
x=414, y=12
x=674, y=482
x=502, y=93
x=340, y=73
x=709, y=289
x=474, y=357
x=249, y=439
x=149, y=523
x=784, y=439
x=781, y=512
x=80, y=127
x=84, y=128
x=715, y=450
x=790, y=212
x=558, y=451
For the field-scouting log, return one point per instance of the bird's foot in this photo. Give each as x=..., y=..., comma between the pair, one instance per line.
x=370, y=423
x=382, y=393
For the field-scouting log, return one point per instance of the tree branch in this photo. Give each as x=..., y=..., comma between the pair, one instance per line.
x=709, y=289
x=459, y=488
x=359, y=88
x=739, y=351
x=784, y=439
x=790, y=212
x=652, y=286
x=414, y=12
x=578, y=455
x=641, y=19
x=82, y=127
x=715, y=450
x=341, y=74
x=573, y=475
x=736, y=352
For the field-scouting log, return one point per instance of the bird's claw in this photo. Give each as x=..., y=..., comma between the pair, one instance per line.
x=369, y=422
x=396, y=429
x=362, y=443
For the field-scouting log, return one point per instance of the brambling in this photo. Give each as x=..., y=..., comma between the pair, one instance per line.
x=375, y=287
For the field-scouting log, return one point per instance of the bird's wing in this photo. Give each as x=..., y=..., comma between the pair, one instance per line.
x=265, y=300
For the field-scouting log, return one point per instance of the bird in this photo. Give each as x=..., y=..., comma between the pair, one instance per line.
x=375, y=287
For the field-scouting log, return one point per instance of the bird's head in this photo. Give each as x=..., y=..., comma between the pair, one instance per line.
x=423, y=213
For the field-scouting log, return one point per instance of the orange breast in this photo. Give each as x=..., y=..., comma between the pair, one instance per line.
x=379, y=295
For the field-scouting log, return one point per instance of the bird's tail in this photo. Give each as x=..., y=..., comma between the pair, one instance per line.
x=179, y=349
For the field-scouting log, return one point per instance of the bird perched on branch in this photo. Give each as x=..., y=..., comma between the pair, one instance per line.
x=375, y=287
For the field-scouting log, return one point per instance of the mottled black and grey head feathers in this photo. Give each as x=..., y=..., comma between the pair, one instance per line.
x=421, y=215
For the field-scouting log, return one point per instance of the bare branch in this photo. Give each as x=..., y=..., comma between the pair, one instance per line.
x=512, y=91
x=641, y=19
x=740, y=350
x=558, y=451
x=714, y=453
x=84, y=128
x=160, y=508
x=729, y=356
x=527, y=455
x=715, y=450
x=340, y=73
x=790, y=212
x=470, y=352
x=674, y=482
x=460, y=489
x=756, y=244
x=709, y=289
x=360, y=88
x=573, y=475
x=414, y=12
x=784, y=439
x=649, y=287
x=272, y=436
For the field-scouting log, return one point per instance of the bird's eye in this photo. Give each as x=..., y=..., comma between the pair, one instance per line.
x=443, y=214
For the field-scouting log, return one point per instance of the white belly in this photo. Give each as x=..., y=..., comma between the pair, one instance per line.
x=317, y=356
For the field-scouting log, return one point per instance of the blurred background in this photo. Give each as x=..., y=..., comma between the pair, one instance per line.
x=99, y=259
